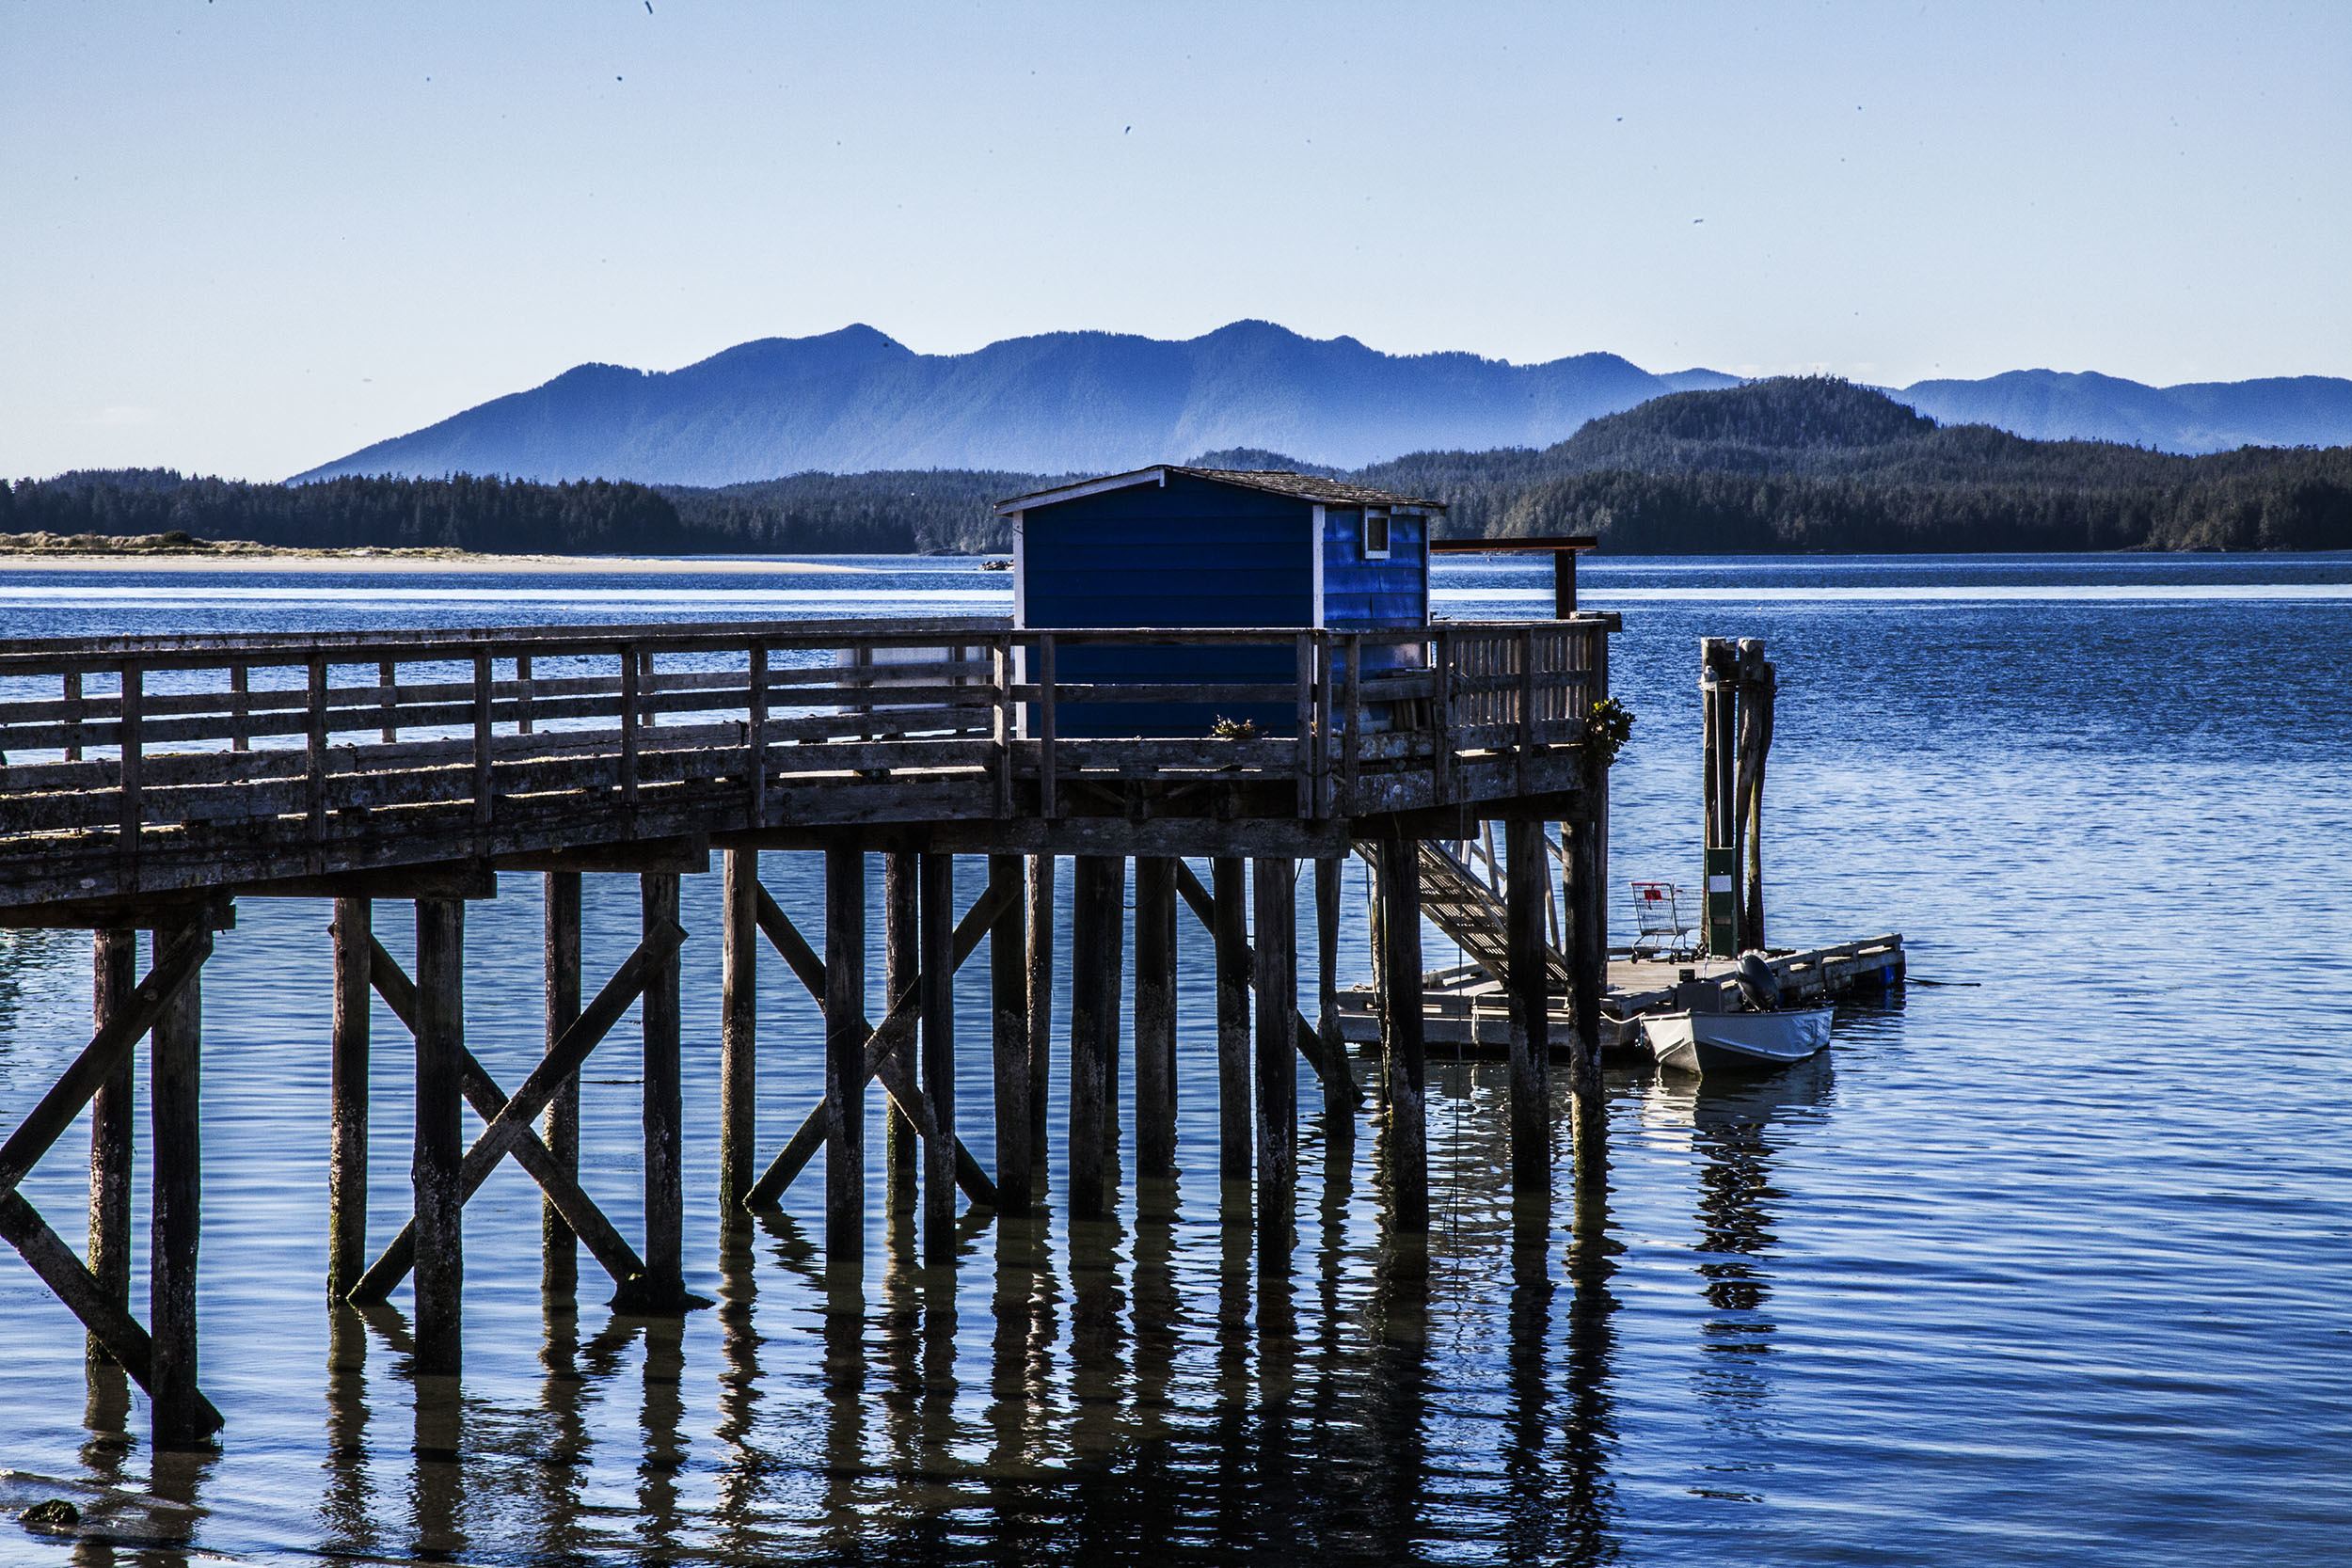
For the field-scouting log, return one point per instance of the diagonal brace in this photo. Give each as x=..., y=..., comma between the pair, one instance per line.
x=1204, y=906
x=510, y=1127
x=578, y=1209
x=884, y=1058
x=70, y=1279
x=106, y=1052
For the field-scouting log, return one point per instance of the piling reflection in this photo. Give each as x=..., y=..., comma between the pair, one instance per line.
x=1731, y=1122
x=1150, y=1386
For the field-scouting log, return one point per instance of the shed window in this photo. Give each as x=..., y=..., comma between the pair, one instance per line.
x=1375, y=534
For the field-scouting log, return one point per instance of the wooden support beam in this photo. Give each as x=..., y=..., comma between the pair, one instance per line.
x=1197, y=899
x=882, y=1048
x=437, y=1235
x=1096, y=935
x=1588, y=960
x=1405, y=1141
x=1527, y=899
x=175, y=1214
x=1008, y=975
x=1339, y=1085
x=559, y=1249
x=900, y=964
x=686, y=854
x=1279, y=1024
x=1230, y=925
x=1155, y=1015
x=658, y=1013
x=738, y=1029
x=469, y=879
x=846, y=1033
x=114, y=976
x=183, y=954
x=508, y=1130
x=1038, y=922
x=348, y=1099
x=935, y=878
x=53, y=1264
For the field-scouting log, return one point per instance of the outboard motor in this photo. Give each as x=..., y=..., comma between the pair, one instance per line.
x=1757, y=982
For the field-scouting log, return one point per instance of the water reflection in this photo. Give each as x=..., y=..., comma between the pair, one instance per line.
x=1731, y=1122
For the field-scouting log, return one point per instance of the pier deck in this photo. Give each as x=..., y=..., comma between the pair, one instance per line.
x=148, y=783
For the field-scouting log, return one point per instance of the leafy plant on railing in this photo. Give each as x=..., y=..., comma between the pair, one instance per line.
x=1607, y=728
x=1236, y=729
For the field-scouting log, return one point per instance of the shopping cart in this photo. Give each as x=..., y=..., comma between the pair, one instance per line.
x=1665, y=918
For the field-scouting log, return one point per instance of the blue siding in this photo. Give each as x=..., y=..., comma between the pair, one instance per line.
x=1360, y=594
x=1190, y=553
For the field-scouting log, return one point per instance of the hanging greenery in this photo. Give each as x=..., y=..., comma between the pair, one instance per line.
x=1607, y=728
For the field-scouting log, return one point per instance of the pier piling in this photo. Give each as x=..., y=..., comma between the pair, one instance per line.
x=1155, y=1015
x=560, y=939
x=1235, y=1144
x=1038, y=921
x=900, y=960
x=658, y=1013
x=113, y=965
x=1405, y=1143
x=1008, y=985
x=1527, y=894
x=176, y=1056
x=936, y=920
x=845, y=1052
x=1097, y=933
x=738, y=1030
x=1277, y=1062
x=440, y=1042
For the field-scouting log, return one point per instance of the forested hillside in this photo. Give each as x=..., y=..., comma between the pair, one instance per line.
x=1793, y=464
x=465, y=513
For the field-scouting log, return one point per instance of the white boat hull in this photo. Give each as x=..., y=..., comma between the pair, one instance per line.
x=1713, y=1042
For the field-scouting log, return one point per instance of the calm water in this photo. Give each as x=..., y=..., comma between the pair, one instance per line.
x=2049, y=1263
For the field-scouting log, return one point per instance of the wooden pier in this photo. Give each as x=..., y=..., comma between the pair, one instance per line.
x=147, y=784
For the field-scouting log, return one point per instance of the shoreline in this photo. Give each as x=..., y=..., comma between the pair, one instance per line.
x=237, y=555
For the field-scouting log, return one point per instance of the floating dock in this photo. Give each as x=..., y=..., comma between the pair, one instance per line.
x=1465, y=1008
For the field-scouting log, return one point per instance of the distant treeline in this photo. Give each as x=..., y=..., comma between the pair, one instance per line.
x=590, y=517
x=1792, y=463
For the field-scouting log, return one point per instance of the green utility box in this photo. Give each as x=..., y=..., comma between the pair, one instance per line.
x=1721, y=903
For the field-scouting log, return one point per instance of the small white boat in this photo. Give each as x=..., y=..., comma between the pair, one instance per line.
x=1713, y=1042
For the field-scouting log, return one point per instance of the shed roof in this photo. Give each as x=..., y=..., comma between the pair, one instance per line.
x=1280, y=481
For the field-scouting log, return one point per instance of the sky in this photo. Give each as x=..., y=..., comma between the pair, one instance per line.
x=244, y=238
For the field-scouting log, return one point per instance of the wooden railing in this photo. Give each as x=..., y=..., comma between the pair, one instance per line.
x=733, y=724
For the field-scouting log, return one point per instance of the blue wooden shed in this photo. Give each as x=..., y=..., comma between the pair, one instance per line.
x=1186, y=547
